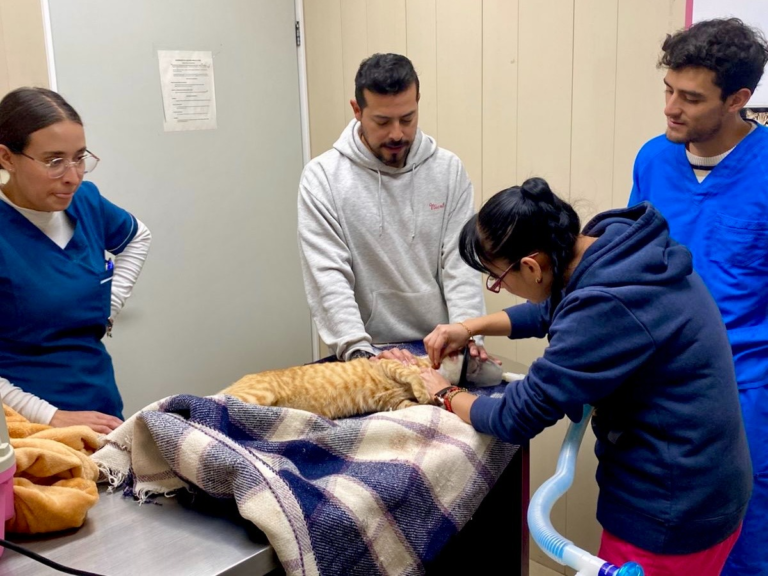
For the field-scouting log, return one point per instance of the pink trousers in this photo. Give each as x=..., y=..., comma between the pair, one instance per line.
x=707, y=562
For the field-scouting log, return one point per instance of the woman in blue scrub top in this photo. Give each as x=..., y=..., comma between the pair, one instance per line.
x=58, y=291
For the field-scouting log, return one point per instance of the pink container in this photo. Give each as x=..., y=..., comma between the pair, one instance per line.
x=6, y=499
x=7, y=470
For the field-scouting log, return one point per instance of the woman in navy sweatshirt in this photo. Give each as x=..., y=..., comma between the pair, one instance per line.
x=633, y=331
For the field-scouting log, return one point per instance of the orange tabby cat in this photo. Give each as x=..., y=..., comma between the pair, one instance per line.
x=342, y=389
x=336, y=389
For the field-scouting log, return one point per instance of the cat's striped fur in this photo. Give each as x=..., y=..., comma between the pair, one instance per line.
x=337, y=389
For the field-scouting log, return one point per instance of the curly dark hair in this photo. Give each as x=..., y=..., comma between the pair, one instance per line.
x=735, y=52
x=384, y=74
x=519, y=221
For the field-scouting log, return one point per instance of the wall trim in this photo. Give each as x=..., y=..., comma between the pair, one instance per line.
x=48, y=35
x=305, y=144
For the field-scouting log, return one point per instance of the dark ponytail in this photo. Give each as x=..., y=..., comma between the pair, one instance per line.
x=27, y=110
x=519, y=221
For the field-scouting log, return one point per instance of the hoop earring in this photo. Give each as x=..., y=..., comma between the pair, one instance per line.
x=539, y=280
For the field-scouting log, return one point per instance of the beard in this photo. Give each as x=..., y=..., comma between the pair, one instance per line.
x=386, y=156
x=696, y=134
x=395, y=159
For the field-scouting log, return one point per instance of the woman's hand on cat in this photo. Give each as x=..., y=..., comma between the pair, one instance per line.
x=477, y=351
x=444, y=339
x=433, y=380
x=401, y=355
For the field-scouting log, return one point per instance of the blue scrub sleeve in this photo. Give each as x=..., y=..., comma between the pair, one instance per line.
x=120, y=226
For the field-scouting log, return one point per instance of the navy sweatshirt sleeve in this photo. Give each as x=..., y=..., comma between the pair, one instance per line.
x=596, y=343
x=529, y=320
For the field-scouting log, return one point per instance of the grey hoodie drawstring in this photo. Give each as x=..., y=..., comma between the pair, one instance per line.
x=413, y=194
x=381, y=209
x=413, y=209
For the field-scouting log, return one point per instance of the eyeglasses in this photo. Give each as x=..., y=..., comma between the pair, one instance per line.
x=57, y=167
x=493, y=283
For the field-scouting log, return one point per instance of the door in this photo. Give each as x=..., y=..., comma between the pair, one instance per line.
x=221, y=293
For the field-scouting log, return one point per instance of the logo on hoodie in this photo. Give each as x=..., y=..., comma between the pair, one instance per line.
x=436, y=206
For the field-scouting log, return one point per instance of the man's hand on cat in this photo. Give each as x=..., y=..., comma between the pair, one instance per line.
x=399, y=354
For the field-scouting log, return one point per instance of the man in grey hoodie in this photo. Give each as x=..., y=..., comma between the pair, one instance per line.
x=379, y=219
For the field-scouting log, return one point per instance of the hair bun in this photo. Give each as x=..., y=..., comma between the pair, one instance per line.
x=536, y=189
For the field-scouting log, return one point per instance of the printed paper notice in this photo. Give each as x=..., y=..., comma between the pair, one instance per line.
x=189, y=98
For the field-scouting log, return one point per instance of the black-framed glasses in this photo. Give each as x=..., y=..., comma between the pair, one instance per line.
x=493, y=284
x=57, y=167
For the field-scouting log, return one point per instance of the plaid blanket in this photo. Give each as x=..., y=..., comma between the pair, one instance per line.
x=379, y=494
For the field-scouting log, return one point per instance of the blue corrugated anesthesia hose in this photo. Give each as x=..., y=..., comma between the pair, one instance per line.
x=561, y=549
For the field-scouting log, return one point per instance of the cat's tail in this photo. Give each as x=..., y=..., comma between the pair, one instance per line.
x=511, y=376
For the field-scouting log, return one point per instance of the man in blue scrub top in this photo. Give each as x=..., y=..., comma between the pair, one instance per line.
x=708, y=177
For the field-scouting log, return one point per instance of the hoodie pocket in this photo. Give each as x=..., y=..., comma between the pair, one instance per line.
x=741, y=243
x=405, y=316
